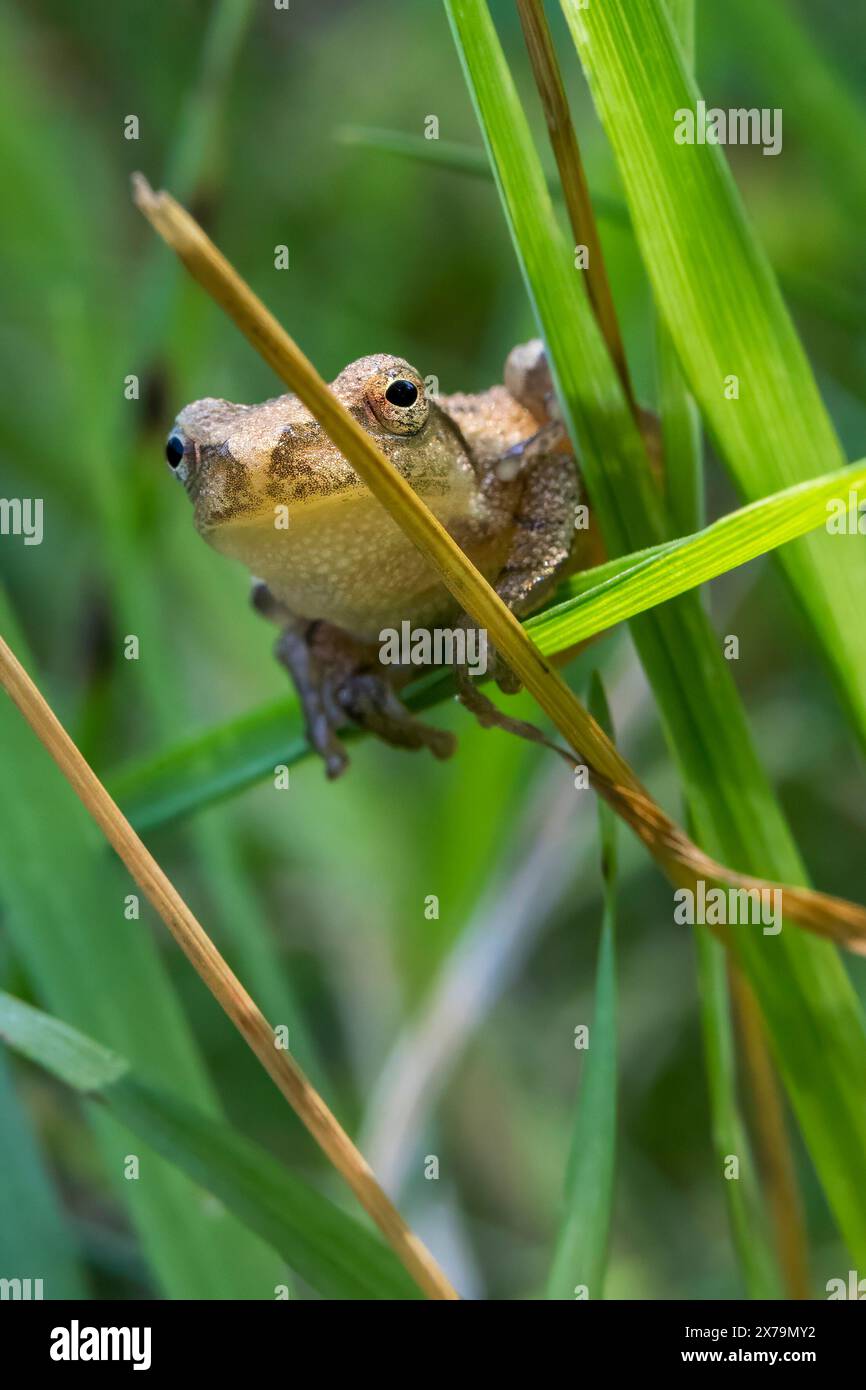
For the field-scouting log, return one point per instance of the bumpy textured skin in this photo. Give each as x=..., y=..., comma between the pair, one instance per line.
x=494, y=467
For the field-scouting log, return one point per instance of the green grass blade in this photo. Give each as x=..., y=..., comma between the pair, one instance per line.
x=455, y=156
x=733, y=540
x=63, y=907
x=333, y=1252
x=227, y=759
x=812, y=1012
x=193, y=156
x=214, y=765
x=747, y=1215
x=830, y=300
x=35, y=1242
x=580, y=1256
x=93, y=329
x=681, y=441
x=452, y=155
x=720, y=301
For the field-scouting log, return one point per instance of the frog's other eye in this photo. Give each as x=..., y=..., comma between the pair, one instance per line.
x=174, y=453
x=399, y=403
x=174, y=450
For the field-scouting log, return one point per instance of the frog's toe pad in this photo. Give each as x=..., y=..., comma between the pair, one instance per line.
x=507, y=680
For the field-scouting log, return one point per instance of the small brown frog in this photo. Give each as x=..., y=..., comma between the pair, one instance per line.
x=334, y=569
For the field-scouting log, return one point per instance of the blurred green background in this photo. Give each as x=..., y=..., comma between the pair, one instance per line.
x=454, y=1036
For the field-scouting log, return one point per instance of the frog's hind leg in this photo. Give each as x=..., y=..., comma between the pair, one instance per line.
x=341, y=681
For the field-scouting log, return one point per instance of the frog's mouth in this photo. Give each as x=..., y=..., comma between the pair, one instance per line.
x=274, y=478
x=274, y=523
x=217, y=484
x=237, y=502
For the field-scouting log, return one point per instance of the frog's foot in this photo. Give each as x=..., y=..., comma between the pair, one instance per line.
x=341, y=681
x=372, y=703
x=321, y=714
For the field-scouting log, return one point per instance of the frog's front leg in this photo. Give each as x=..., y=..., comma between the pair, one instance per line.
x=544, y=533
x=340, y=680
x=543, y=539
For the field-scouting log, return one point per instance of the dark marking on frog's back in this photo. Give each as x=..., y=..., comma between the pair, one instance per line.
x=293, y=478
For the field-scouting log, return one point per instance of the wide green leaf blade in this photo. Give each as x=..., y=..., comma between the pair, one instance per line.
x=749, y=1229
x=580, y=1256
x=811, y=1010
x=333, y=1252
x=35, y=1240
x=63, y=909
x=225, y=760
x=716, y=291
x=678, y=567
x=744, y=1199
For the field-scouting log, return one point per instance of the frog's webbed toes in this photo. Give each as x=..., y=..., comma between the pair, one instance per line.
x=339, y=683
x=371, y=702
x=321, y=718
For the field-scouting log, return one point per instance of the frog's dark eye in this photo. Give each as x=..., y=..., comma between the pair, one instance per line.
x=174, y=451
x=398, y=402
x=402, y=393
